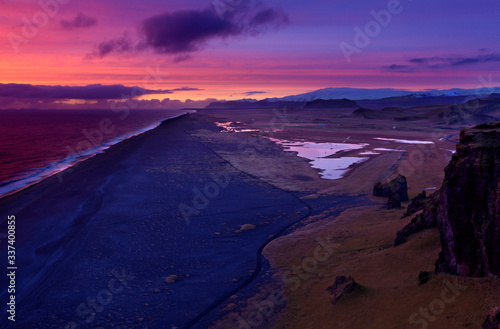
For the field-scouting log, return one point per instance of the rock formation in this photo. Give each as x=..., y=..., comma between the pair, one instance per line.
x=424, y=277
x=417, y=203
x=342, y=285
x=493, y=319
x=396, y=190
x=422, y=221
x=468, y=213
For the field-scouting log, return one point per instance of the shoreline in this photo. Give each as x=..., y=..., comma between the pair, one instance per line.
x=38, y=177
x=118, y=211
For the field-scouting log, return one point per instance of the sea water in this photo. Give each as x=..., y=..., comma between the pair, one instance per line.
x=35, y=144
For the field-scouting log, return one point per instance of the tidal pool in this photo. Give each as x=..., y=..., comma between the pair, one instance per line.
x=331, y=168
x=403, y=141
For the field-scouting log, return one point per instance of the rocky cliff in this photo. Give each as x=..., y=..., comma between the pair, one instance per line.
x=468, y=210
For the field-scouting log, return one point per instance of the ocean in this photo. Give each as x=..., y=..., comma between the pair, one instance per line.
x=35, y=144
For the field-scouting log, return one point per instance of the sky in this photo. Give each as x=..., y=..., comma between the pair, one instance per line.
x=86, y=53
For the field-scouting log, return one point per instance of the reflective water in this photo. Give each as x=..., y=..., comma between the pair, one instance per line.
x=403, y=141
x=331, y=168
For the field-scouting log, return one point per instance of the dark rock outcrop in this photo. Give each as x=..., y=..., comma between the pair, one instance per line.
x=368, y=114
x=424, y=277
x=417, y=203
x=396, y=186
x=493, y=319
x=396, y=190
x=468, y=214
x=417, y=224
x=342, y=285
x=425, y=220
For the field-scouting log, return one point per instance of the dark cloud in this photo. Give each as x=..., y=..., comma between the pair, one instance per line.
x=271, y=17
x=251, y=93
x=90, y=92
x=419, y=60
x=399, y=68
x=119, y=45
x=31, y=103
x=79, y=22
x=185, y=89
x=454, y=61
x=478, y=59
x=182, y=32
x=426, y=63
x=181, y=58
x=185, y=31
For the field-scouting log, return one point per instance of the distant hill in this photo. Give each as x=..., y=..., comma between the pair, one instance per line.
x=476, y=111
x=411, y=101
x=377, y=99
x=267, y=104
x=371, y=114
x=379, y=93
x=246, y=104
x=331, y=104
x=341, y=93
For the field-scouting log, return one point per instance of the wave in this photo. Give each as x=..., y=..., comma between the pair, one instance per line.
x=35, y=175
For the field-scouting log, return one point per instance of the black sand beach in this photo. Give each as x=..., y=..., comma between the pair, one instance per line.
x=145, y=235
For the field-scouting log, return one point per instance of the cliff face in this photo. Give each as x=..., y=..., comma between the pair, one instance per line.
x=468, y=213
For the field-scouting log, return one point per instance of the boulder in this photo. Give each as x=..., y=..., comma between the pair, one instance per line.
x=397, y=186
x=342, y=285
x=246, y=227
x=173, y=278
x=424, y=277
x=493, y=319
x=394, y=202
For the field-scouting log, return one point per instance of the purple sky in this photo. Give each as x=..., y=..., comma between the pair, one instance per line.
x=197, y=49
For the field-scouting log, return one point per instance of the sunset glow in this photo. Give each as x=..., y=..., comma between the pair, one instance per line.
x=292, y=47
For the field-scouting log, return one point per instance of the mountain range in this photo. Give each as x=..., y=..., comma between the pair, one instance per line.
x=362, y=93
